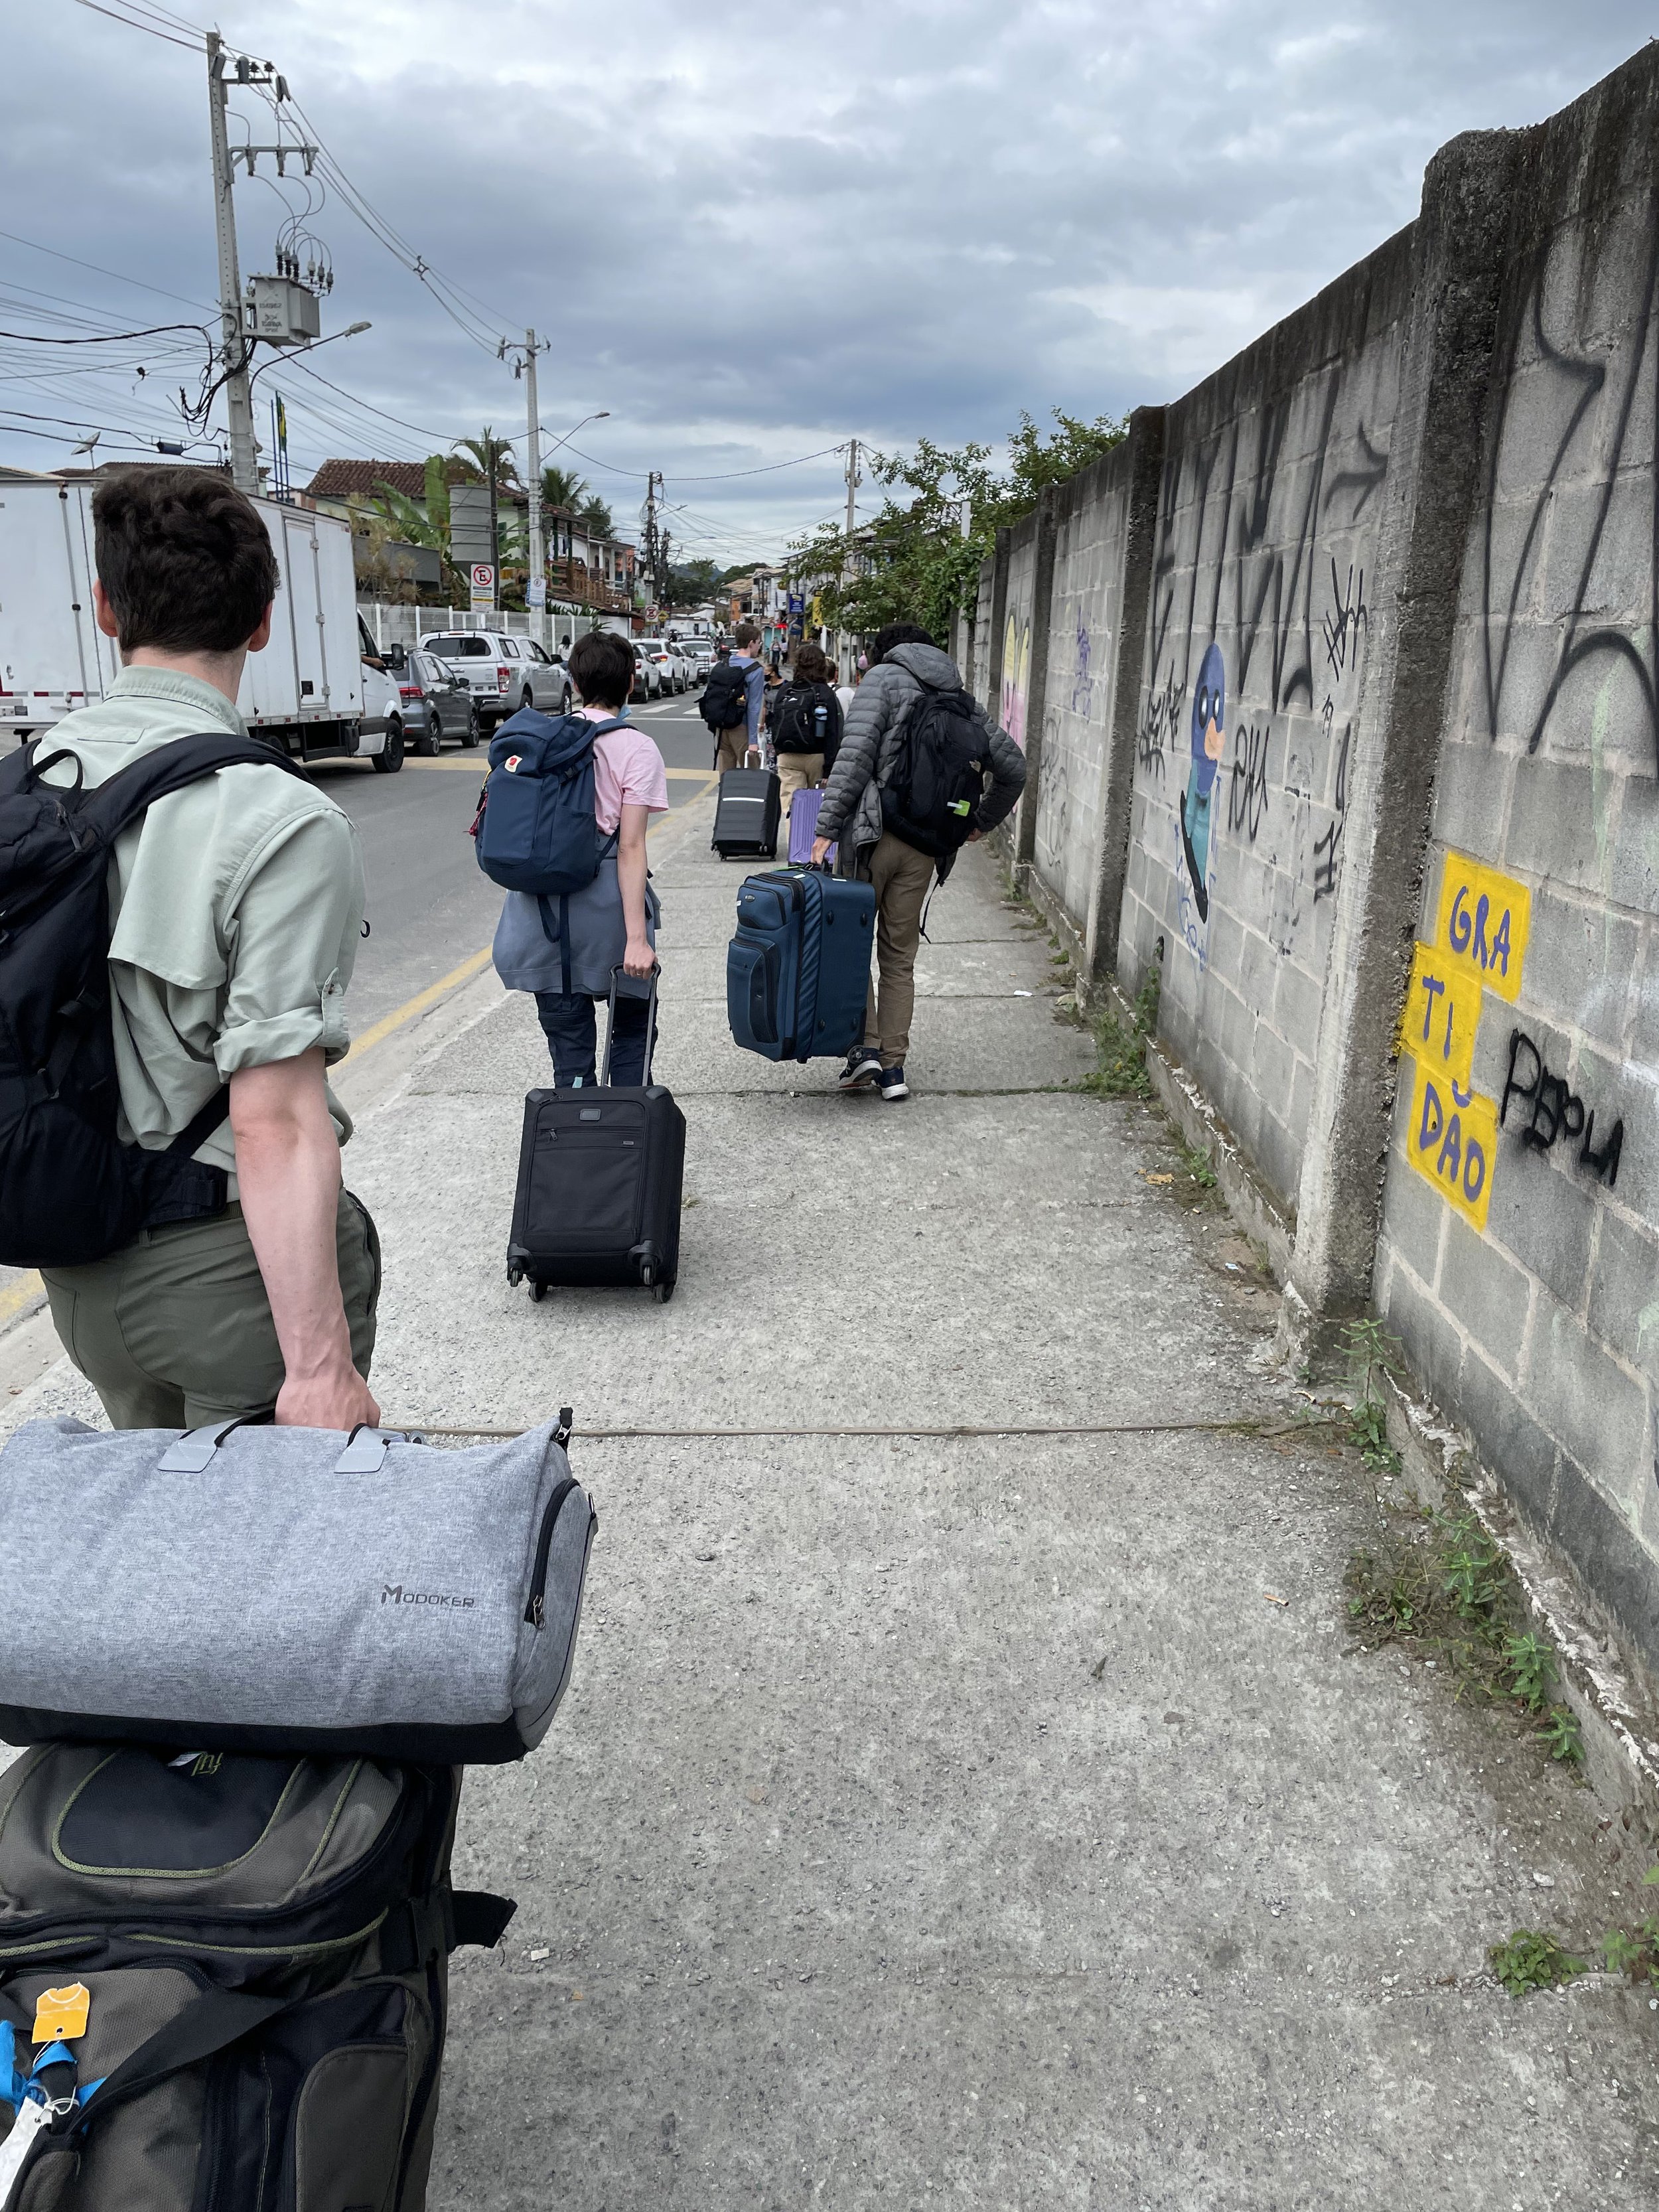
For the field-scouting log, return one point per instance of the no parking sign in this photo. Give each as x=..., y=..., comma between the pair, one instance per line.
x=483, y=585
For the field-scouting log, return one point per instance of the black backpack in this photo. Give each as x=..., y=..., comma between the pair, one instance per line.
x=793, y=719
x=938, y=777
x=725, y=700
x=69, y=1190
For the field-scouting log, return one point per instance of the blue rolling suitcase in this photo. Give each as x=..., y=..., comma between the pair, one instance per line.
x=797, y=970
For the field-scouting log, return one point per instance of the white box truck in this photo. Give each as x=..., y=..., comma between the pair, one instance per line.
x=319, y=689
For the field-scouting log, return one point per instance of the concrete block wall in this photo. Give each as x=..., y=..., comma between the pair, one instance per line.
x=1265, y=578
x=1374, y=742
x=1533, y=1311
x=1079, y=641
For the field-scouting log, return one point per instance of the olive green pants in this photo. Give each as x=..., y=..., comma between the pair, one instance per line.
x=901, y=876
x=174, y=1330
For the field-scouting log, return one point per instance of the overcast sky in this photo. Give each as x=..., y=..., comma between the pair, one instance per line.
x=885, y=218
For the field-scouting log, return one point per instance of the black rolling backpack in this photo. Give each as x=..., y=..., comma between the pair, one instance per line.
x=600, y=1177
x=223, y=1979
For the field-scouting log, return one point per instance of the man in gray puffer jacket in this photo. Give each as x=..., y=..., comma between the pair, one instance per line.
x=907, y=665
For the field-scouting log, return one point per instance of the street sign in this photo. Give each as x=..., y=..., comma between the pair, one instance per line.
x=535, y=592
x=483, y=585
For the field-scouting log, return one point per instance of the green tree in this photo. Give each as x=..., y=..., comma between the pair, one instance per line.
x=692, y=582
x=437, y=495
x=491, y=454
x=594, y=516
x=913, y=562
x=564, y=487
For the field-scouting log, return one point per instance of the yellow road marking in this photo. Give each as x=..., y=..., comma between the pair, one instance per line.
x=412, y=1008
x=17, y=1295
x=480, y=768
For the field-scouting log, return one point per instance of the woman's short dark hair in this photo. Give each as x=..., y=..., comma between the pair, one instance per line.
x=898, y=634
x=602, y=668
x=811, y=664
x=184, y=560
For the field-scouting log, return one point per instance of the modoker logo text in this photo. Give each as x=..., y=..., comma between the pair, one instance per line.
x=395, y=1594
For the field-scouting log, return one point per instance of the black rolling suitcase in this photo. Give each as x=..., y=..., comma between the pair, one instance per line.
x=600, y=1175
x=747, y=814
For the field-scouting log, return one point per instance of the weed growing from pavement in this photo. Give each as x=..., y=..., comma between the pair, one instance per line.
x=1196, y=1164
x=1370, y=1352
x=1121, y=1066
x=1442, y=1583
x=1635, y=1951
x=1531, y=1959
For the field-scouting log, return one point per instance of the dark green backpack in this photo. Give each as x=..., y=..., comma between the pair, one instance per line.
x=223, y=1979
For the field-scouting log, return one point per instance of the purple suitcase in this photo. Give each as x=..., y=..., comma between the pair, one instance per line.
x=804, y=827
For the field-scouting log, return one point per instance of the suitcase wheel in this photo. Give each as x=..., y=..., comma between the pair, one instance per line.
x=515, y=1276
x=538, y=1291
x=663, y=1292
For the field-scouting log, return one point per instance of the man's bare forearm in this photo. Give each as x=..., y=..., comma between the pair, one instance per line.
x=287, y=1168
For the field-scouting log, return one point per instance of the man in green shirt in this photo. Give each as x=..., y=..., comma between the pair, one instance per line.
x=236, y=905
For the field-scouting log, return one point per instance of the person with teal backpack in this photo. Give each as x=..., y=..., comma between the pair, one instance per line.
x=561, y=829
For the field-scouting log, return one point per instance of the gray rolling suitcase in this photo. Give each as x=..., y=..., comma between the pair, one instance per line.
x=223, y=1979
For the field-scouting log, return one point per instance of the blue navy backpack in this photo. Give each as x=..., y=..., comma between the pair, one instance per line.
x=536, y=829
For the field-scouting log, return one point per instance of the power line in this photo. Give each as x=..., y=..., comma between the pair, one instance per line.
x=114, y=337
x=134, y=23
x=161, y=291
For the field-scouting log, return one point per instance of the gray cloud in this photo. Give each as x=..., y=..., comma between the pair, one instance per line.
x=884, y=219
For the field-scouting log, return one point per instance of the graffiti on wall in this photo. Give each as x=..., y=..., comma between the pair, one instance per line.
x=1245, y=564
x=1592, y=411
x=1083, y=682
x=1016, y=677
x=1208, y=738
x=1556, y=1111
x=1479, y=945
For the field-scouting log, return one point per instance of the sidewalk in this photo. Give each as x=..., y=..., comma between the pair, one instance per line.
x=959, y=1818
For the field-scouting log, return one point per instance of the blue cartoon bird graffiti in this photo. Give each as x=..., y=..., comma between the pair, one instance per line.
x=1209, y=742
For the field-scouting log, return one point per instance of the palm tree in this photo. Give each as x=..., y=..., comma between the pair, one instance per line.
x=492, y=456
x=594, y=516
x=564, y=487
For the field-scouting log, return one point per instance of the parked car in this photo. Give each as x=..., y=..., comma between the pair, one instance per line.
x=436, y=703
x=700, y=654
x=502, y=672
x=666, y=656
x=647, y=676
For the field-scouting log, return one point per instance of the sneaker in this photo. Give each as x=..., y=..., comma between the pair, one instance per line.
x=862, y=1068
x=892, y=1084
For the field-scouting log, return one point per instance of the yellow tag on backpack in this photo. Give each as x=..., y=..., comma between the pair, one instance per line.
x=60, y=2015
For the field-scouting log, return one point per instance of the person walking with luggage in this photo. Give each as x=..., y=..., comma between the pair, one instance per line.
x=731, y=701
x=235, y=903
x=922, y=771
x=804, y=721
x=566, y=949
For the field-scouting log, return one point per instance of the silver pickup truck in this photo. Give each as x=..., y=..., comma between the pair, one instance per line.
x=503, y=671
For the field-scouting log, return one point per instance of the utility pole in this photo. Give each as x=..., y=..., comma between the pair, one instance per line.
x=653, y=567
x=536, y=590
x=234, y=355
x=853, y=483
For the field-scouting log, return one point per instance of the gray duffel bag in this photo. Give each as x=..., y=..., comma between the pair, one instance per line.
x=259, y=1589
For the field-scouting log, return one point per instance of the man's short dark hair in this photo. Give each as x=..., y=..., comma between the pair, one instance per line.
x=898, y=634
x=745, y=635
x=602, y=668
x=184, y=560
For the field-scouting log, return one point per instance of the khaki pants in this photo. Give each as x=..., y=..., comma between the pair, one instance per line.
x=733, y=747
x=901, y=876
x=798, y=772
x=174, y=1330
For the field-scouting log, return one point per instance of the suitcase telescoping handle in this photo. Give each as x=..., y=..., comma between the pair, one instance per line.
x=650, y=1023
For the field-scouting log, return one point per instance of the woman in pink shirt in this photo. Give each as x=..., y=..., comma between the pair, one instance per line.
x=564, y=950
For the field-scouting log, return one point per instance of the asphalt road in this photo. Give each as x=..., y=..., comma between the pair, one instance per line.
x=429, y=908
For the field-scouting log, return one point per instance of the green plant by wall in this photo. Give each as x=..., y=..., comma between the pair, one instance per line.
x=1531, y=1959
x=1445, y=1585
x=1120, y=1070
